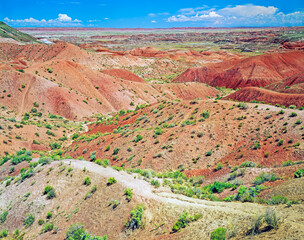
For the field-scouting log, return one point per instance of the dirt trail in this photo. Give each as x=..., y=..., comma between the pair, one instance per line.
x=146, y=191
x=215, y=213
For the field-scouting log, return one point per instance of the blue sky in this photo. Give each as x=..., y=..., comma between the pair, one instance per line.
x=153, y=13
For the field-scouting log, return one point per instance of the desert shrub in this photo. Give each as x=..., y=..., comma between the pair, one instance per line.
x=219, y=166
x=256, y=223
x=265, y=177
x=293, y=114
x=55, y=145
x=248, y=194
x=218, y=187
x=103, y=163
x=276, y=200
x=135, y=219
x=247, y=164
x=29, y=220
x=47, y=227
x=218, y=234
x=271, y=218
x=288, y=163
x=77, y=232
x=183, y=221
x=21, y=156
x=49, y=191
x=3, y=216
x=45, y=160
x=115, y=151
x=129, y=194
x=111, y=181
x=257, y=145
x=93, y=156
x=197, y=181
x=49, y=215
x=155, y=183
x=205, y=114
x=138, y=138
x=87, y=181
x=280, y=142
x=208, y=154
x=299, y=173
x=242, y=105
x=40, y=221
x=4, y=233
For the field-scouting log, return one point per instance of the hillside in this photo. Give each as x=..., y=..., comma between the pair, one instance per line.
x=257, y=71
x=293, y=84
x=9, y=32
x=250, y=94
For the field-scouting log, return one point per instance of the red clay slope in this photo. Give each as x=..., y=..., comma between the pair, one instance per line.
x=123, y=74
x=257, y=71
x=249, y=94
x=293, y=84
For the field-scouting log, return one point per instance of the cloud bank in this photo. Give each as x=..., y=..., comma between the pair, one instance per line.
x=61, y=20
x=239, y=15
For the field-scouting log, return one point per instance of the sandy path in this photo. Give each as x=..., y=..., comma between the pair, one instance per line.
x=146, y=191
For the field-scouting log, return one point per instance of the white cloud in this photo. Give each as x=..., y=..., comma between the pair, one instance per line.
x=153, y=21
x=239, y=15
x=248, y=10
x=158, y=14
x=62, y=20
x=196, y=18
x=106, y=18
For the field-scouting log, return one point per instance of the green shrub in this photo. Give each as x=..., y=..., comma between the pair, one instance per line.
x=103, y=163
x=3, y=216
x=138, y=138
x=219, y=166
x=4, y=233
x=47, y=227
x=299, y=173
x=77, y=232
x=111, y=181
x=271, y=219
x=116, y=150
x=208, y=154
x=135, y=220
x=265, y=177
x=247, y=164
x=49, y=191
x=29, y=220
x=129, y=194
x=49, y=215
x=155, y=183
x=276, y=200
x=40, y=221
x=218, y=234
x=242, y=105
x=205, y=114
x=293, y=114
x=183, y=221
x=87, y=181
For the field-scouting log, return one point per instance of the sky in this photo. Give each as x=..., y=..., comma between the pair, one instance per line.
x=151, y=13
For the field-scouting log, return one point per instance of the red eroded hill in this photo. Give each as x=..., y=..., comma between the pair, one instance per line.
x=22, y=90
x=293, y=84
x=205, y=74
x=257, y=71
x=249, y=94
x=124, y=74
